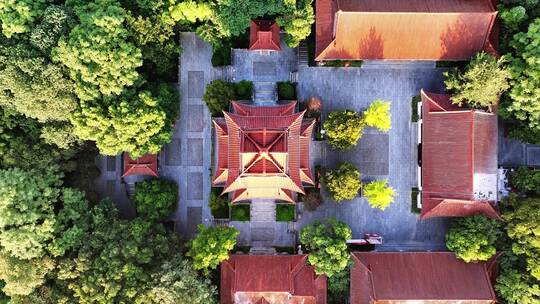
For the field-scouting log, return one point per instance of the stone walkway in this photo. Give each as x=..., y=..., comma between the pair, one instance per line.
x=378, y=156
x=515, y=153
x=187, y=158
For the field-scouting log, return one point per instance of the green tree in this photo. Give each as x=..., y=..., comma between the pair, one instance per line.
x=27, y=199
x=218, y=95
x=57, y=21
x=212, y=246
x=23, y=276
x=379, y=194
x=525, y=180
x=378, y=115
x=23, y=72
x=343, y=183
x=524, y=103
x=343, y=129
x=473, y=238
x=191, y=11
x=98, y=54
x=522, y=227
x=327, y=247
x=135, y=122
x=178, y=282
x=18, y=16
x=297, y=22
x=155, y=198
x=481, y=84
x=516, y=287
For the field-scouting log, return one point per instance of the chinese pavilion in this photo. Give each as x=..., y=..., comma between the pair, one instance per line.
x=262, y=152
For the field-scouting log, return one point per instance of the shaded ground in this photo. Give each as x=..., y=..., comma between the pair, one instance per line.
x=515, y=153
x=377, y=155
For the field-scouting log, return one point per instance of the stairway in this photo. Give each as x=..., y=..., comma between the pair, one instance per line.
x=302, y=53
x=265, y=93
x=130, y=189
x=225, y=73
x=263, y=220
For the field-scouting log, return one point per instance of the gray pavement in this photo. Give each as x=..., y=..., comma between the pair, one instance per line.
x=515, y=153
x=109, y=184
x=378, y=155
x=187, y=158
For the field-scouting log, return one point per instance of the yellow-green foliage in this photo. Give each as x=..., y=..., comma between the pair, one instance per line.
x=343, y=183
x=211, y=246
x=378, y=115
x=343, y=129
x=379, y=194
x=17, y=16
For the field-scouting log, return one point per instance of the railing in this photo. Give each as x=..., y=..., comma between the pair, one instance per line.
x=220, y=222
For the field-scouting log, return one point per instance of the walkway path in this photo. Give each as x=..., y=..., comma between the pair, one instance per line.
x=187, y=158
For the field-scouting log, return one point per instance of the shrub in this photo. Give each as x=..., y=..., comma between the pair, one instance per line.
x=525, y=180
x=379, y=194
x=414, y=108
x=327, y=247
x=523, y=133
x=286, y=90
x=313, y=107
x=285, y=212
x=343, y=183
x=343, y=129
x=378, y=115
x=211, y=246
x=155, y=198
x=218, y=96
x=312, y=199
x=240, y=212
x=221, y=55
x=244, y=89
x=219, y=205
x=473, y=238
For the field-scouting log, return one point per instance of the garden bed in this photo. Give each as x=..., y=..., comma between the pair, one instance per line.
x=414, y=201
x=286, y=90
x=240, y=212
x=285, y=212
x=414, y=108
x=219, y=205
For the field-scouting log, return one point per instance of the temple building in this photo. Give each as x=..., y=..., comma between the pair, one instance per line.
x=262, y=152
x=458, y=159
x=404, y=30
x=144, y=165
x=270, y=279
x=420, y=278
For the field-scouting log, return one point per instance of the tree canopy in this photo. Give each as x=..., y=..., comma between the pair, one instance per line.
x=379, y=194
x=473, y=238
x=218, y=96
x=343, y=129
x=155, y=198
x=378, y=115
x=343, y=183
x=211, y=246
x=481, y=83
x=326, y=243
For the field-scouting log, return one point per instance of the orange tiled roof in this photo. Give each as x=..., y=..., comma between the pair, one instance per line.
x=144, y=165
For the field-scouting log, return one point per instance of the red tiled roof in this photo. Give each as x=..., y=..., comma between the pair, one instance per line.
x=264, y=35
x=144, y=165
x=397, y=277
x=403, y=30
x=459, y=159
x=262, y=151
x=272, y=278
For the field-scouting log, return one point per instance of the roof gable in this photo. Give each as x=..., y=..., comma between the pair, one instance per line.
x=433, y=29
x=144, y=165
x=264, y=35
x=395, y=277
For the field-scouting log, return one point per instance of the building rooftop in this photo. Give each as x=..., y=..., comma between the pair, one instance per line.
x=144, y=165
x=404, y=30
x=264, y=36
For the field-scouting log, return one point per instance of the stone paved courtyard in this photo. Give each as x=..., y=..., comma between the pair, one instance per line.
x=377, y=155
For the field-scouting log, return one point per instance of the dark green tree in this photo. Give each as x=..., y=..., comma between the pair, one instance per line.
x=218, y=96
x=155, y=198
x=473, y=238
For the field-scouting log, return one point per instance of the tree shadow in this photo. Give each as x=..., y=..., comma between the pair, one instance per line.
x=371, y=46
x=461, y=40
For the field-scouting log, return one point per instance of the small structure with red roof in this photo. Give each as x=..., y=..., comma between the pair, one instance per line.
x=404, y=30
x=459, y=159
x=264, y=36
x=420, y=277
x=271, y=279
x=144, y=165
x=262, y=152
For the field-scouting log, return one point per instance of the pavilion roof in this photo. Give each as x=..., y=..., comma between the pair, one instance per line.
x=404, y=30
x=264, y=35
x=144, y=165
x=262, y=152
x=459, y=159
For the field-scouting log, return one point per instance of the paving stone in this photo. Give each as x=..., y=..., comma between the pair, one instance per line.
x=172, y=153
x=533, y=156
x=194, y=152
x=110, y=186
x=111, y=163
x=264, y=68
x=195, y=84
x=195, y=186
x=194, y=218
x=195, y=122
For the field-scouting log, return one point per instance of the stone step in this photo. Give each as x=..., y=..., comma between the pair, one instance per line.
x=130, y=189
x=262, y=234
x=302, y=54
x=262, y=249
